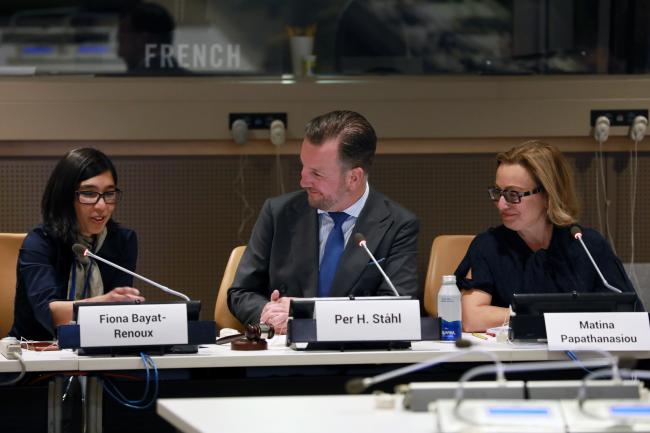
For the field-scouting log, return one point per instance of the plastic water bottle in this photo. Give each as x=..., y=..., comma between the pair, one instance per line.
x=449, y=309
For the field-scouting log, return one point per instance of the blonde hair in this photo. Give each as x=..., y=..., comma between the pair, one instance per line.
x=550, y=170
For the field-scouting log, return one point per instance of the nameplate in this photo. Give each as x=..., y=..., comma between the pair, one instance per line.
x=602, y=331
x=132, y=325
x=367, y=320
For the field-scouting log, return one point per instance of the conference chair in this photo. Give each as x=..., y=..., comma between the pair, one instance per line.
x=222, y=314
x=446, y=253
x=9, y=247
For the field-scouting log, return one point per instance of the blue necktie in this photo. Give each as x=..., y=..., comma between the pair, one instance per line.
x=332, y=254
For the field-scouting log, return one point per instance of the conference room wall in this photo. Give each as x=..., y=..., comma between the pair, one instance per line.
x=189, y=210
x=195, y=110
x=171, y=142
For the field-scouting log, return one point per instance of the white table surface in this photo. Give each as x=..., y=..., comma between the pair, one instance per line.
x=59, y=360
x=314, y=414
x=361, y=414
x=213, y=356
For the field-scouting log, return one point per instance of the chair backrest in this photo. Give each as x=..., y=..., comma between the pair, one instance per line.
x=9, y=247
x=222, y=314
x=446, y=253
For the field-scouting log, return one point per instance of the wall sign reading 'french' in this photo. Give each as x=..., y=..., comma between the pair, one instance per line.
x=602, y=331
x=368, y=320
x=132, y=325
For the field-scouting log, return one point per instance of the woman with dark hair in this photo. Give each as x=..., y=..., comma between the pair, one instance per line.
x=77, y=206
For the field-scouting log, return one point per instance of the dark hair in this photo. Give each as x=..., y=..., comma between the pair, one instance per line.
x=358, y=140
x=57, y=205
x=151, y=18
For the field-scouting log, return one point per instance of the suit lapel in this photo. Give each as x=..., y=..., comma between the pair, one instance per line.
x=304, y=248
x=373, y=222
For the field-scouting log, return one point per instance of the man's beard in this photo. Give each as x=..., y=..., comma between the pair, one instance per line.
x=323, y=203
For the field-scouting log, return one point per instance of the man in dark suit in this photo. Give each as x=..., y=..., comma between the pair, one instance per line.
x=301, y=244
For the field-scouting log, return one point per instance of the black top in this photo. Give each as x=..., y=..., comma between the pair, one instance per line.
x=44, y=265
x=502, y=264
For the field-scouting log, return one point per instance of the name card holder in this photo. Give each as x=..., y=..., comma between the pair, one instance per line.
x=528, y=322
x=127, y=328
x=377, y=322
x=601, y=331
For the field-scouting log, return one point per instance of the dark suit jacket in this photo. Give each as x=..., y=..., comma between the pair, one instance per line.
x=283, y=254
x=44, y=269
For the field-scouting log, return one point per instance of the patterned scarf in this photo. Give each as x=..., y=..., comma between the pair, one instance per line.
x=84, y=273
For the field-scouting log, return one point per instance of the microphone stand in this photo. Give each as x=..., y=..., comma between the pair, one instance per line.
x=361, y=240
x=578, y=236
x=87, y=253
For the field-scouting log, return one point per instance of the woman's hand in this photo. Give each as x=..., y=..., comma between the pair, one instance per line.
x=62, y=310
x=118, y=294
x=478, y=312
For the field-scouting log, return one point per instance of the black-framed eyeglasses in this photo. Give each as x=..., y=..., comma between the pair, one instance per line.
x=92, y=197
x=510, y=195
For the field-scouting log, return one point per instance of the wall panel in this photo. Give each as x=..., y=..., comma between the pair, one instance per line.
x=188, y=210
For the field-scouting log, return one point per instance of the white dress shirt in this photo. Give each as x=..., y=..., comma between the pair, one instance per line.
x=326, y=222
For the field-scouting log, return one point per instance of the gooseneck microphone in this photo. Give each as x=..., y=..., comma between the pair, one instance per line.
x=361, y=241
x=576, y=232
x=83, y=252
x=358, y=385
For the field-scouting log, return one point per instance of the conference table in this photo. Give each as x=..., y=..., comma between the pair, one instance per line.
x=315, y=414
x=218, y=371
x=386, y=414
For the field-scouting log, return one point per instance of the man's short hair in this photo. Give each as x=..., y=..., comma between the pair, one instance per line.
x=356, y=136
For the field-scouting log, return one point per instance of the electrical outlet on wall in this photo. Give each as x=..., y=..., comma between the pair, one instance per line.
x=258, y=120
x=618, y=117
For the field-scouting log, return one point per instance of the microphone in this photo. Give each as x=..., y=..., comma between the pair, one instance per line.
x=79, y=250
x=358, y=385
x=83, y=253
x=361, y=241
x=576, y=232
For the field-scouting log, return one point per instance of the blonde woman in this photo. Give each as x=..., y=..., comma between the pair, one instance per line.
x=533, y=250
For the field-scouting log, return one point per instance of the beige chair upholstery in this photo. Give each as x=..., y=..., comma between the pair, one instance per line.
x=9, y=247
x=446, y=253
x=222, y=314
